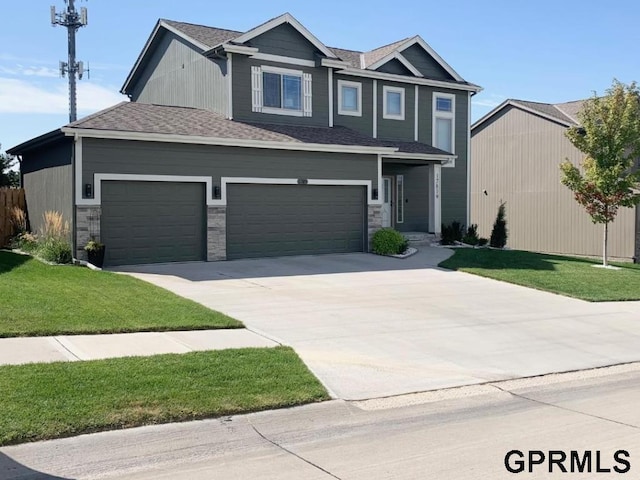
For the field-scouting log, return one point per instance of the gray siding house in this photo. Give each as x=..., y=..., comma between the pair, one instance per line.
x=259, y=143
x=517, y=149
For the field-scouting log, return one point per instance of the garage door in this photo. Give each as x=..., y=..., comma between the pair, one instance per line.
x=153, y=222
x=277, y=220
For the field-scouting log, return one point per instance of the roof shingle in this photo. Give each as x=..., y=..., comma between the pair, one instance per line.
x=144, y=118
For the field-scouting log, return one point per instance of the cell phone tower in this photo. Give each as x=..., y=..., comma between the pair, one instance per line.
x=73, y=20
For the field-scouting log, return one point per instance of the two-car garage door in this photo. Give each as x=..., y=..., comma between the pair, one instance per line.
x=152, y=222
x=277, y=220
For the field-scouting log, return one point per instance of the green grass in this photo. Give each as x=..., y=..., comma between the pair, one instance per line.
x=573, y=277
x=44, y=401
x=38, y=299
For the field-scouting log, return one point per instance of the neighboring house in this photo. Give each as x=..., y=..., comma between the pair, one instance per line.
x=259, y=143
x=517, y=149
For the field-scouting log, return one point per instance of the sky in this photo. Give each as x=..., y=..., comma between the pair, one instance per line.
x=547, y=51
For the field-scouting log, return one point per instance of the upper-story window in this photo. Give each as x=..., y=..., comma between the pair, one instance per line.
x=281, y=91
x=393, y=103
x=349, y=98
x=444, y=121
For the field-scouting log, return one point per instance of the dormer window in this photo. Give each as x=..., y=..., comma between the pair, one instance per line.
x=281, y=91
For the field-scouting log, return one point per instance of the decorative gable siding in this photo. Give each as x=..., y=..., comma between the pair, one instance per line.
x=515, y=158
x=396, y=67
x=286, y=41
x=242, y=94
x=177, y=74
x=425, y=63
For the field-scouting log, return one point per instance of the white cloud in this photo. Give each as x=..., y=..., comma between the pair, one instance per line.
x=490, y=100
x=40, y=72
x=21, y=96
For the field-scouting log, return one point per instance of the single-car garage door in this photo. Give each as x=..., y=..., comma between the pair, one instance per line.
x=152, y=222
x=278, y=220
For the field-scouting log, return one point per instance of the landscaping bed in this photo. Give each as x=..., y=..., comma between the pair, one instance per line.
x=38, y=299
x=570, y=276
x=44, y=401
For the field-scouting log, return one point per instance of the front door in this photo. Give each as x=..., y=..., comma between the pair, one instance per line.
x=386, y=202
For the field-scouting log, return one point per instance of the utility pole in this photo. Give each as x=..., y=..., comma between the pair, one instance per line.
x=73, y=20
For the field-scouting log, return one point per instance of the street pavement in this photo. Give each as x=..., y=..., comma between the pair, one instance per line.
x=371, y=326
x=462, y=433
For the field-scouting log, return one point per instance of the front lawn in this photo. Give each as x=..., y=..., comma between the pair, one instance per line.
x=43, y=401
x=38, y=299
x=573, y=277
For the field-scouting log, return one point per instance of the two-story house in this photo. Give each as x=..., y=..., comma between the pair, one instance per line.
x=259, y=143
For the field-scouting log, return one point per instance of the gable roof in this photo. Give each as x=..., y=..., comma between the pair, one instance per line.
x=133, y=119
x=277, y=21
x=209, y=39
x=208, y=36
x=563, y=113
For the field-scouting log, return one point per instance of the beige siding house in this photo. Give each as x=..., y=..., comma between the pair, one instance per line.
x=516, y=150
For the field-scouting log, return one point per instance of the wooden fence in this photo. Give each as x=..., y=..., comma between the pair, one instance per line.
x=9, y=198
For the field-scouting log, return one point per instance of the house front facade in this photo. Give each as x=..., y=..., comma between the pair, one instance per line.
x=517, y=150
x=259, y=143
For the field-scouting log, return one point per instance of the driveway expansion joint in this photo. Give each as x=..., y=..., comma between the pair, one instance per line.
x=560, y=407
x=285, y=449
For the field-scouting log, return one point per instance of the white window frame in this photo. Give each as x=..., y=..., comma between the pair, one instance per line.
x=284, y=111
x=388, y=89
x=446, y=115
x=358, y=87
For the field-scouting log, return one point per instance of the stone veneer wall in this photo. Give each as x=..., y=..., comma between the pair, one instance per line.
x=374, y=221
x=216, y=233
x=87, y=226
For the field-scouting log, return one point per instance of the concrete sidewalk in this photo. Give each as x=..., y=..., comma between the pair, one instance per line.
x=15, y=351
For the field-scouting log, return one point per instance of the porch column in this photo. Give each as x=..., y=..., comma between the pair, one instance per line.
x=435, y=203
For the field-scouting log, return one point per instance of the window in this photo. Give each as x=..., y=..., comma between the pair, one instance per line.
x=281, y=91
x=349, y=98
x=444, y=118
x=393, y=103
x=399, y=198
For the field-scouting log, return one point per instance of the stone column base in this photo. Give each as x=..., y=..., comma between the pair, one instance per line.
x=216, y=233
x=87, y=228
x=374, y=222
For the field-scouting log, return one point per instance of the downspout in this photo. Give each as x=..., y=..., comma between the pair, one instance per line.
x=19, y=158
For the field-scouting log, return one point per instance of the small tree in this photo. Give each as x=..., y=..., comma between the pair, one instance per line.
x=499, y=232
x=8, y=177
x=609, y=136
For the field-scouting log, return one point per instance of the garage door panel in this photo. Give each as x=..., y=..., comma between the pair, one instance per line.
x=278, y=220
x=151, y=222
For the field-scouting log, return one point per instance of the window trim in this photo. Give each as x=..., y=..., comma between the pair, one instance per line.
x=358, y=87
x=283, y=71
x=399, y=198
x=389, y=89
x=444, y=115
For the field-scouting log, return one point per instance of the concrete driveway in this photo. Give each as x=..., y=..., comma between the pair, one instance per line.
x=371, y=326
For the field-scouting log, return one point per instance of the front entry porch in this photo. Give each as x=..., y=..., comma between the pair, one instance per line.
x=410, y=196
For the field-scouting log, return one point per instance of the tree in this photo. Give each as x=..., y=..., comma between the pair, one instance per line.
x=8, y=176
x=499, y=231
x=609, y=136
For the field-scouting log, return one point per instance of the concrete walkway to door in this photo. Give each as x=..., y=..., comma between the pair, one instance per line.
x=371, y=326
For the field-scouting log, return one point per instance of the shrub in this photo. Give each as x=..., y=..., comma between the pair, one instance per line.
x=388, y=241
x=27, y=242
x=18, y=219
x=450, y=234
x=482, y=241
x=499, y=232
x=55, y=250
x=471, y=237
x=54, y=241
